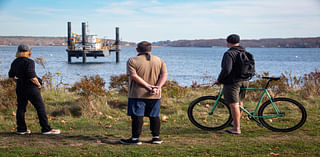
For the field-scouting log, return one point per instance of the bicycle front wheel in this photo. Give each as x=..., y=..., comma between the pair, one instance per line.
x=291, y=117
x=199, y=109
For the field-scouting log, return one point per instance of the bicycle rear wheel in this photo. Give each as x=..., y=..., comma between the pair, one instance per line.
x=198, y=113
x=293, y=115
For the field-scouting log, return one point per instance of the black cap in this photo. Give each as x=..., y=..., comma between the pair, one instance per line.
x=23, y=48
x=233, y=39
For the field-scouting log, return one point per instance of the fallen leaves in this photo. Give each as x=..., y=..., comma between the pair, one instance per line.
x=108, y=126
x=41, y=153
x=108, y=117
x=52, y=118
x=274, y=154
x=164, y=118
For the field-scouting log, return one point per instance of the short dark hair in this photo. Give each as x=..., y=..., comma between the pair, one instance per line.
x=144, y=46
x=233, y=39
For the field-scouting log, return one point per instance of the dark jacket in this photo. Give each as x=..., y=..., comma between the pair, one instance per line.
x=24, y=69
x=230, y=71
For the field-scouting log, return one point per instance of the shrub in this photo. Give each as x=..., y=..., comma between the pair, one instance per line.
x=119, y=83
x=7, y=93
x=90, y=88
x=50, y=80
x=171, y=89
x=311, y=84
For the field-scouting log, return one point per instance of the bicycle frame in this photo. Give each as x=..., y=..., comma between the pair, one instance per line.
x=253, y=114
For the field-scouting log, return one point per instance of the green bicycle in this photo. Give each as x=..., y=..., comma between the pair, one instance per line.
x=276, y=114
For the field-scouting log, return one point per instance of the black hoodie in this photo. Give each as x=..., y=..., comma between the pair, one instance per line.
x=230, y=71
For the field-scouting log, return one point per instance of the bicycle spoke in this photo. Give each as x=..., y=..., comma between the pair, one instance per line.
x=199, y=114
x=291, y=115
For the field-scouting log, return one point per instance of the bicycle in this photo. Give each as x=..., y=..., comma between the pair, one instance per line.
x=277, y=114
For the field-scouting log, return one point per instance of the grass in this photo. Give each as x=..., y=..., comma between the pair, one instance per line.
x=99, y=134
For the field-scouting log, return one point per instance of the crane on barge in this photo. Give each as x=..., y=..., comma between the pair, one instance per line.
x=89, y=46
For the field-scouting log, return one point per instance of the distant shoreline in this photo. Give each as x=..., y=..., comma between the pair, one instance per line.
x=312, y=42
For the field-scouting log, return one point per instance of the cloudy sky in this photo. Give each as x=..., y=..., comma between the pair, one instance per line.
x=156, y=20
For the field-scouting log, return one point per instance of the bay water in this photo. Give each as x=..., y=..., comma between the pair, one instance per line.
x=184, y=64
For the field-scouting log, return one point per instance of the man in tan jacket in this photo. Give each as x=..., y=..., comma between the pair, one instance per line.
x=147, y=74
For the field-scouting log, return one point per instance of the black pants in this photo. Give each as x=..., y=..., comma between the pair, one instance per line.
x=33, y=95
x=137, y=123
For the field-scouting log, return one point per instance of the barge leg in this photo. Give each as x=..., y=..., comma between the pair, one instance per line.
x=69, y=58
x=117, y=43
x=84, y=58
x=117, y=57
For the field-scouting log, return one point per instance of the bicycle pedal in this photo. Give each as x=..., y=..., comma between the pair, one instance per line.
x=258, y=123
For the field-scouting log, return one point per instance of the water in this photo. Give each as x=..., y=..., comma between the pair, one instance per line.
x=184, y=64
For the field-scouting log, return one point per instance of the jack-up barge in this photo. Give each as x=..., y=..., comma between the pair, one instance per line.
x=89, y=46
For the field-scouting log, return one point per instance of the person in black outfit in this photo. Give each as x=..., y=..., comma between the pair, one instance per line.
x=232, y=82
x=22, y=71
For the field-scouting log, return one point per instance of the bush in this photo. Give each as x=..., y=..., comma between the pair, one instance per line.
x=7, y=93
x=171, y=89
x=311, y=84
x=119, y=83
x=90, y=88
x=50, y=80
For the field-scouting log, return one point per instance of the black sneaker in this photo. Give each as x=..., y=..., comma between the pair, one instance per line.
x=156, y=141
x=130, y=141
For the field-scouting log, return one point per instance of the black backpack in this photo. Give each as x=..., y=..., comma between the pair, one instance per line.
x=247, y=65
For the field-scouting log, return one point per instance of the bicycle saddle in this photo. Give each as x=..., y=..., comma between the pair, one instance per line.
x=272, y=78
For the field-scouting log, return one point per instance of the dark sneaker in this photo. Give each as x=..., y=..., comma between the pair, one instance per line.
x=156, y=141
x=130, y=141
x=23, y=132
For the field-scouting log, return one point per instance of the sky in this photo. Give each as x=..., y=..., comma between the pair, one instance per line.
x=158, y=20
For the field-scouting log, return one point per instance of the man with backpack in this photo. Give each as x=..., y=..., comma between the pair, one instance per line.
x=236, y=70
